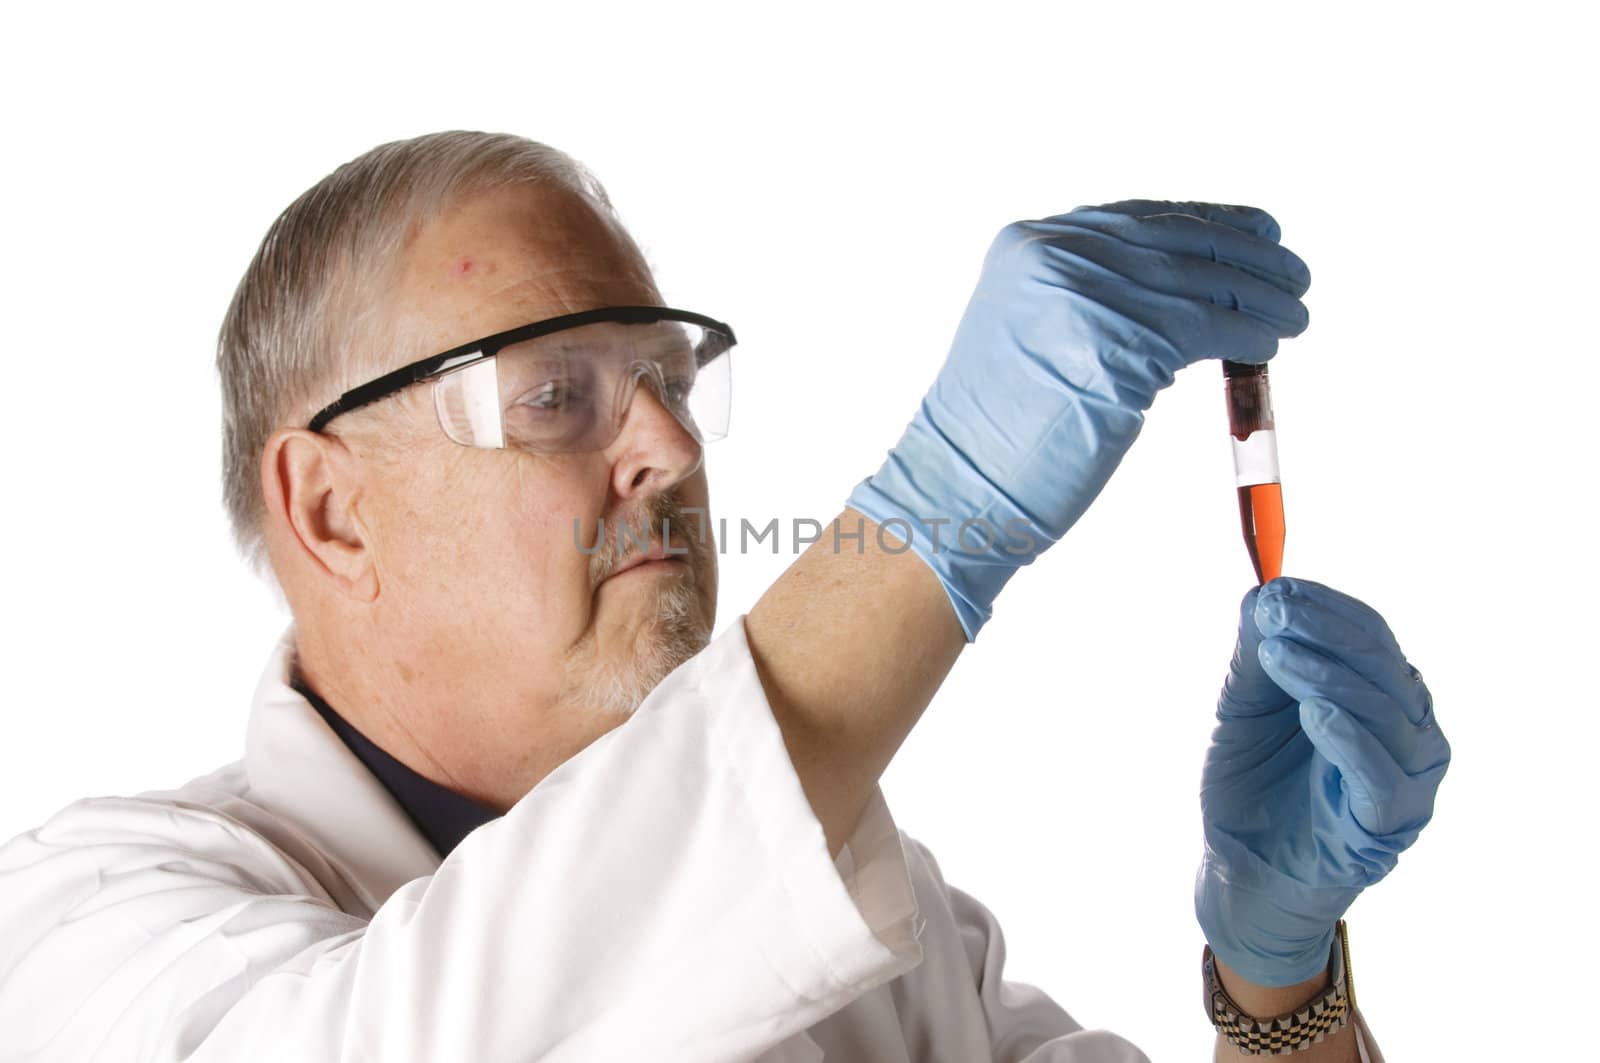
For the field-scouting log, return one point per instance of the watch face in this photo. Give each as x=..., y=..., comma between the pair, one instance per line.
x=1212, y=994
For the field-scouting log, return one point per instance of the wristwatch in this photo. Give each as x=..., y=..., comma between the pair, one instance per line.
x=1294, y=1032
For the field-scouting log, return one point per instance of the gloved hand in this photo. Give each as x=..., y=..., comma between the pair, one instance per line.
x=1321, y=771
x=1076, y=323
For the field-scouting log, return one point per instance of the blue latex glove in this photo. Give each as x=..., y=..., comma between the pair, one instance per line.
x=1076, y=323
x=1321, y=771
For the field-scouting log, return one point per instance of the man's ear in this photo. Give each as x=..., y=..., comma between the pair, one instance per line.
x=313, y=484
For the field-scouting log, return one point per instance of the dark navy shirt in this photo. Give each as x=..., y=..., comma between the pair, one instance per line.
x=443, y=816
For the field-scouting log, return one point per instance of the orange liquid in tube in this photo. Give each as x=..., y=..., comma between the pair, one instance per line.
x=1261, y=514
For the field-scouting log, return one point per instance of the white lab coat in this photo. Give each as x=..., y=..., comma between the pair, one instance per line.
x=666, y=894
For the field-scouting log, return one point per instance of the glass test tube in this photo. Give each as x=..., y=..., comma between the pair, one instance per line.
x=1255, y=465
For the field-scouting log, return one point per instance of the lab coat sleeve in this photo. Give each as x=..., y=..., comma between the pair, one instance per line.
x=666, y=894
x=1016, y=1022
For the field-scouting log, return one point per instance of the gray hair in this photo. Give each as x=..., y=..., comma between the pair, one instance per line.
x=301, y=328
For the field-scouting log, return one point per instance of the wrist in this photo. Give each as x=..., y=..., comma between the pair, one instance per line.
x=1256, y=999
x=930, y=500
x=1281, y=1019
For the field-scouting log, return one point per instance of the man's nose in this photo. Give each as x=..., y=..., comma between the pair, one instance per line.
x=653, y=451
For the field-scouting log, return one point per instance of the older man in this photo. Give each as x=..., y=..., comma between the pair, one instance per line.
x=503, y=798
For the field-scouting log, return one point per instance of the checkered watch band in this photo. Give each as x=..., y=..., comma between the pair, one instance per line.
x=1294, y=1032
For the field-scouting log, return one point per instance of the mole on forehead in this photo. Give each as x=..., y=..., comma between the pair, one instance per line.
x=467, y=265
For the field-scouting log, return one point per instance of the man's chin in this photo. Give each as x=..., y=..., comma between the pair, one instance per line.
x=614, y=679
x=680, y=627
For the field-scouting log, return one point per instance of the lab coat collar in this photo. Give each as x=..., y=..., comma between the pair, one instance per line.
x=443, y=816
x=300, y=770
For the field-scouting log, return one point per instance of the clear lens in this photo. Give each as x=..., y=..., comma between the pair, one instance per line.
x=570, y=391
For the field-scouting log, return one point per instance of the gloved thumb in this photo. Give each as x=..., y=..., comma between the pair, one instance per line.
x=1248, y=690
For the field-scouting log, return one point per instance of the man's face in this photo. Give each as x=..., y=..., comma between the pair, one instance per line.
x=483, y=585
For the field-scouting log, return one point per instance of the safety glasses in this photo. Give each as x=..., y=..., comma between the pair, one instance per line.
x=564, y=385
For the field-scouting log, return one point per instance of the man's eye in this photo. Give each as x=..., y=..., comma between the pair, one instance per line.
x=553, y=395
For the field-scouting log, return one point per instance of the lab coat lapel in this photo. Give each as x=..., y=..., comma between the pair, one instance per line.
x=301, y=771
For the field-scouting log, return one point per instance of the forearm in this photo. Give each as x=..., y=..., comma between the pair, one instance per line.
x=850, y=644
x=1263, y=1001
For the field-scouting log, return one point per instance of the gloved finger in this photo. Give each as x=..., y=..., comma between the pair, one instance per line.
x=1248, y=690
x=1345, y=627
x=1251, y=220
x=1234, y=290
x=1387, y=802
x=1306, y=674
x=1117, y=247
x=1192, y=237
x=1185, y=330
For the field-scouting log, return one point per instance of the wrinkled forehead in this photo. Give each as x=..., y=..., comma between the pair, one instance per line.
x=500, y=259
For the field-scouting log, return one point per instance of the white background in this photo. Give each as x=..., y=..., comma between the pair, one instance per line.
x=827, y=179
